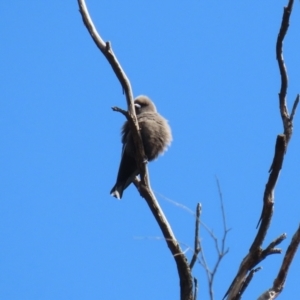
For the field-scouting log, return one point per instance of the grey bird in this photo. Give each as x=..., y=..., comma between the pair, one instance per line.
x=156, y=136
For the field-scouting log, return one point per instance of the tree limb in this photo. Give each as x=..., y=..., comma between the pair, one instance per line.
x=279, y=281
x=184, y=272
x=256, y=254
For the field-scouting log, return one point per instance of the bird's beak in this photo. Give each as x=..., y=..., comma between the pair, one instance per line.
x=137, y=105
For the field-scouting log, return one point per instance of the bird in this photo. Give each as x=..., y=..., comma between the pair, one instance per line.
x=156, y=136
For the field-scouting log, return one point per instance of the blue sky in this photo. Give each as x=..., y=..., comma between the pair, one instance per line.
x=210, y=68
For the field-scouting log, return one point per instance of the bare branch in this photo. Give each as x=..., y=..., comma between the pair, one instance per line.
x=271, y=248
x=106, y=49
x=268, y=200
x=278, y=283
x=206, y=268
x=282, y=69
x=197, y=243
x=220, y=250
x=294, y=107
x=178, y=204
x=122, y=111
x=225, y=228
x=186, y=283
x=197, y=240
x=222, y=204
x=246, y=282
x=196, y=288
x=256, y=254
x=249, y=263
x=288, y=258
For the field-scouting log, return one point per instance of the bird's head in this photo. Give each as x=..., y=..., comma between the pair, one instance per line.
x=143, y=104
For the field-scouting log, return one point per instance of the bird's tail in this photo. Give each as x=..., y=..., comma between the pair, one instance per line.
x=117, y=191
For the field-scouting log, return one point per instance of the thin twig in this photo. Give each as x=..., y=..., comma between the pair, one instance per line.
x=210, y=274
x=222, y=204
x=296, y=102
x=180, y=205
x=122, y=111
x=220, y=249
x=197, y=239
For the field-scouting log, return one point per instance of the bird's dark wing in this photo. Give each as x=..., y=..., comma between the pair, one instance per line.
x=128, y=168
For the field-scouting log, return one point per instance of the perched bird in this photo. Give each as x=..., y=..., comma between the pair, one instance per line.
x=156, y=136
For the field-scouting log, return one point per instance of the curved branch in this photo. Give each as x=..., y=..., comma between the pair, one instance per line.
x=106, y=49
x=256, y=254
x=282, y=68
x=186, y=281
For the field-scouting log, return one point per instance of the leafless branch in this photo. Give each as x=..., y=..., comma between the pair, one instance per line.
x=184, y=272
x=225, y=228
x=122, y=111
x=288, y=258
x=197, y=240
x=198, y=249
x=195, y=288
x=220, y=249
x=251, y=262
x=246, y=282
x=294, y=107
x=287, y=125
x=222, y=205
x=178, y=204
x=256, y=254
x=271, y=248
x=282, y=274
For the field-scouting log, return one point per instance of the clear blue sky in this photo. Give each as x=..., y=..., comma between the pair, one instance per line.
x=210, y=67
